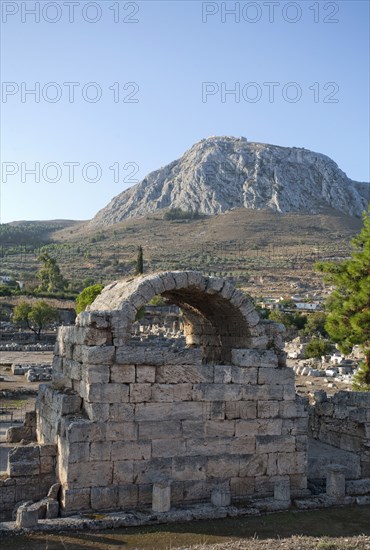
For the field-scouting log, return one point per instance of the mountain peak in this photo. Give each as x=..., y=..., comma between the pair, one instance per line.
x=220, y=173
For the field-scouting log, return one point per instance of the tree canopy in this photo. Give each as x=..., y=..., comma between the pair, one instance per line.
x=50, y=277
x=87, y=296
x=348, y=307
x=34, y=316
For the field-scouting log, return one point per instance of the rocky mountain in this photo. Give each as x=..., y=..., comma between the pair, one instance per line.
x=221, y=173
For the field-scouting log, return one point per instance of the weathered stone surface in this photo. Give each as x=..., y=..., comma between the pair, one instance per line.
x=161, y=497
x=123, y=374
x=97, y=355
x=26, y=517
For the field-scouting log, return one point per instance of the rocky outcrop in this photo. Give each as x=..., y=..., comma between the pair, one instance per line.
x=221, y=173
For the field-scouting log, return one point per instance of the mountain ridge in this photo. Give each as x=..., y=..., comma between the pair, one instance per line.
x=218, y=174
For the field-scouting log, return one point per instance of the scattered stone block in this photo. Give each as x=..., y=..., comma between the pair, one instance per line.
x=161, y=497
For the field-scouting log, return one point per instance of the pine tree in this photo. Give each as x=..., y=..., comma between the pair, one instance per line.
x=348, y=307
x=139, y=262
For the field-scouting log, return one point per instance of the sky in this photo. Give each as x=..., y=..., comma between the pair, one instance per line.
x=121, y=88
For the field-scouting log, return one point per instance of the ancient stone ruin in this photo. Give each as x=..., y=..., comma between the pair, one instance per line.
x=126, y=425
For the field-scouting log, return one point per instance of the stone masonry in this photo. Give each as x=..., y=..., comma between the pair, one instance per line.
x=135, y=425
x=221, y=413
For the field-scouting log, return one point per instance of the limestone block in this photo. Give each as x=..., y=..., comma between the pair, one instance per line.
x=89, y=474
x=252, y=318
x=97, y=412
x=145, y=374
x=213, y=410
x=167, y=447
x=227, y=290
x=121, y=431
x=141, y=393
x=160, y=430
x=217, y=392
x=289, y=393
x=181, y=392
x=130, y=450
x=185, y=468
x=275, y=443
x=128, y=496
x=291, y=463
x=100, y=450
x=253, y=465
x=26, y=517
x=219, y=445
x=238, y=299
x=73, y=368
x=240, y=409
x=54, y=491
x=98, y=319
x=156, y=282
x=75, y=452
x=244, y=375
x=189, y=356
x=275, y=376
x=75, y=499
x=257, y=342
x=222, y=374
x=129, y=355
x=161, y=497
x=108, y=393
x=214, y=285
x=24, y=461
x=336, y=482
x=193, y=428
x=85, y=430
x=97, y=355
x=224, y=466
x=122, y=374
x=95, y=374
x=91, y=336
x=47, y=465
x=153, y=357
x=67, y=403
x=52, y=509
x=282, y=489
x=174, y=374
x=171, y=411
x=258, y=427
x=151, y=471
x=268, y=409
x=181, y=279
x=246, y=357
x=197, y=491
x=123, y=472
x=195, y=278
x=214, y=428
x=269, y=359
x=241, y=487
x=221, y=497
x=358, y=487
x=263, y=393
x=121, y=412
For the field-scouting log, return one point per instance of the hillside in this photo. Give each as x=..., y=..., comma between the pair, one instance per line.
x=262, y=250
x=219, y=174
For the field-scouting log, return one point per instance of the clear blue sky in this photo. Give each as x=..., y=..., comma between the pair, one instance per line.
x=169, y=52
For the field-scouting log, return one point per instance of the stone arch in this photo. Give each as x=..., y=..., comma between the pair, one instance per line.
x=217, y=316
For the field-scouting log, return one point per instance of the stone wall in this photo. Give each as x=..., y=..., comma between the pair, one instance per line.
x=343, y=421
x=134, y=425
x=30, y=474
x=221, y=413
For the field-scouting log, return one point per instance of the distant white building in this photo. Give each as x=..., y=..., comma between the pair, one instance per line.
x=308, y=306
